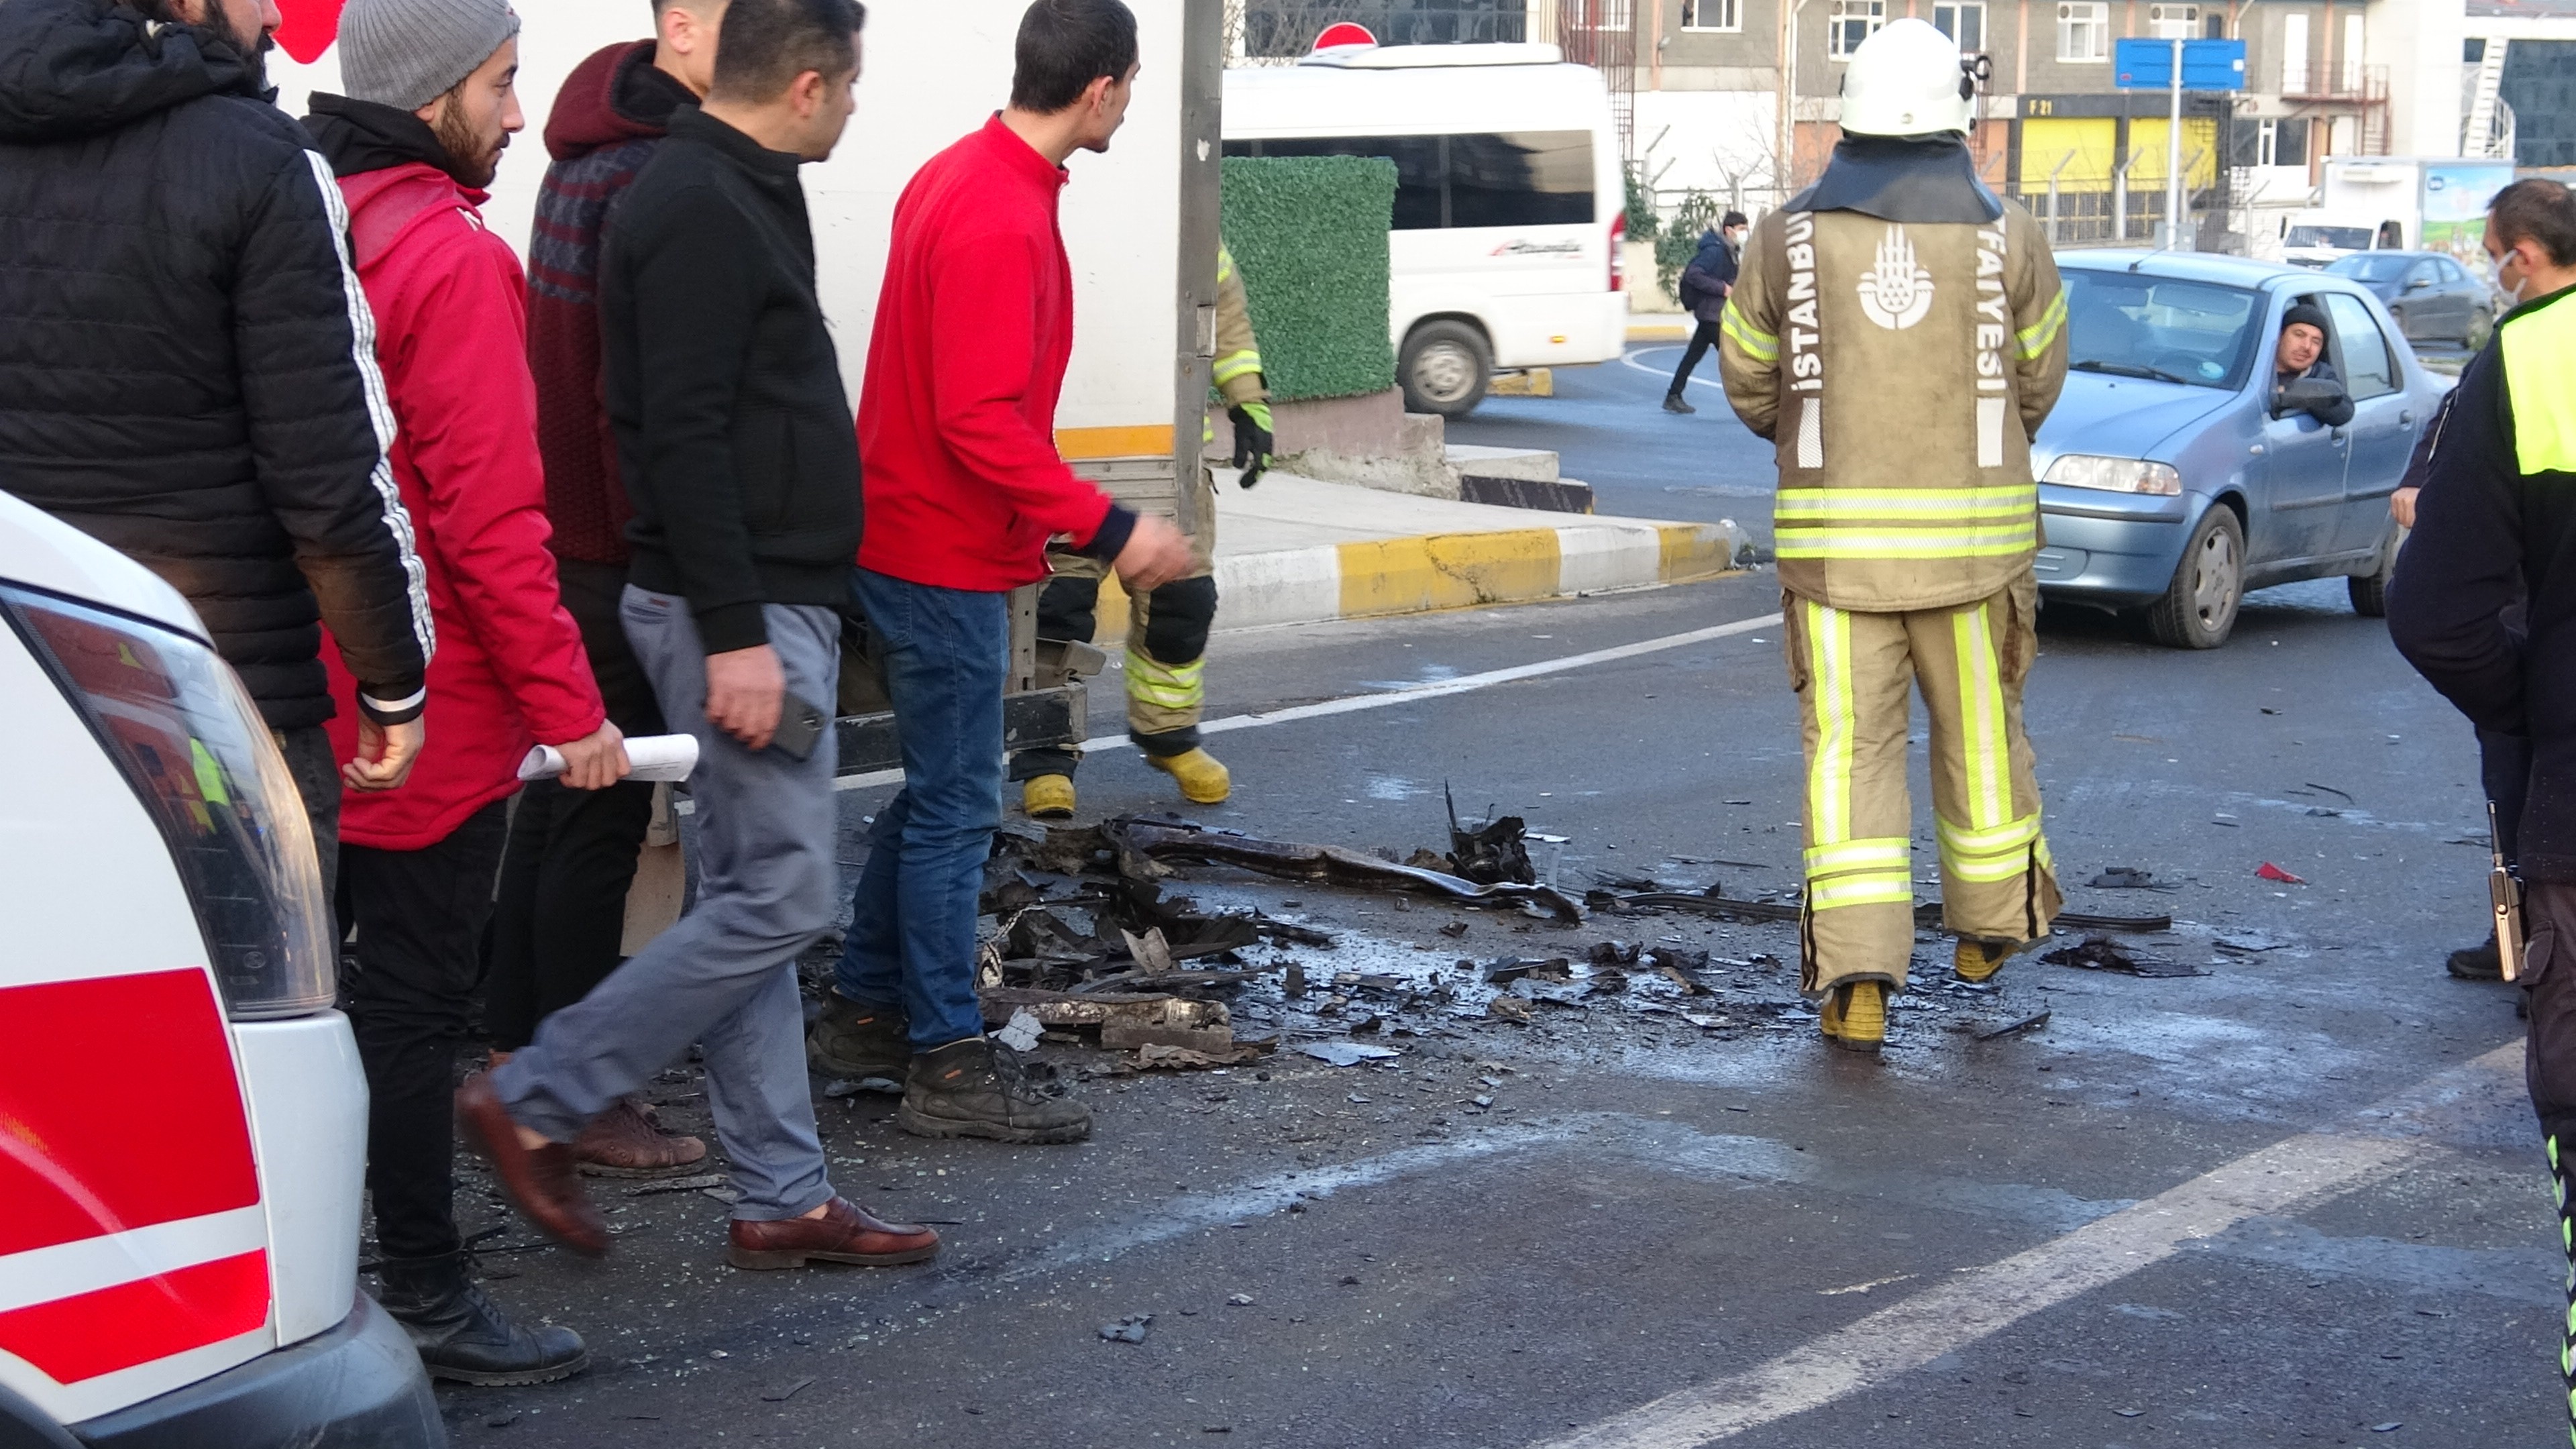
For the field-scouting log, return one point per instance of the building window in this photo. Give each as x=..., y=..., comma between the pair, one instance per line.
x=1712, y=14
x=2084, y=31
x=1964, y=22
x=2172, y=22
x=1853, y=22
x=2294, y=55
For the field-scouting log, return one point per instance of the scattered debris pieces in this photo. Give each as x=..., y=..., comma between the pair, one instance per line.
x=782, y=1395
x=1023, y=1031
x=1172, y=1058
x=1345, y=1053
x=1130, y=1329
x=1238, y=1300
x=2248, y=942
x=2129, y=878
x=2035, y=1019
x=2271, y=872
x=1492, y=853
x=2101, y=953
x=679, y=1184
x=1508, y=1007
x=1149, y=841
x=1509, y=969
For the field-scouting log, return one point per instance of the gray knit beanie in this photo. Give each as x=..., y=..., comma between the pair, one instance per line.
x=407, y=53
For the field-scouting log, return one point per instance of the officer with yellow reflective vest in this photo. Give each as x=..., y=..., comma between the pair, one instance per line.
x=1898, y=331
x=2480, y=608
x=1167, y=630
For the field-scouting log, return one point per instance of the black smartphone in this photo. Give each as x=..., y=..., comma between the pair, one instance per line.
x=800, y=728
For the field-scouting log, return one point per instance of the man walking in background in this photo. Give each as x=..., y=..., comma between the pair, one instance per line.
x=964, y=487
x=429, y=110
x=559, y=924
x=187, y=370
x=736, y=443
x=1705, y=286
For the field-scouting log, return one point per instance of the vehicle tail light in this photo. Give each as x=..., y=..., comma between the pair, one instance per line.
x=177, y=722
x=1618, y=263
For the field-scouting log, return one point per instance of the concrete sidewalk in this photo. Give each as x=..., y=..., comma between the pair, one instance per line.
x=1295, y=550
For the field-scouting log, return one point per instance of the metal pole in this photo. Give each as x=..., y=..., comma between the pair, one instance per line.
x=2173, y=157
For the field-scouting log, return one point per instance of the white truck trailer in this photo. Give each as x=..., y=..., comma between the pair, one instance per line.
x=1140, y=224
x=2397, y=203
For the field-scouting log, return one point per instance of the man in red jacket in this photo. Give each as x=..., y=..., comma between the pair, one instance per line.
x=963, y=488
x=559, y=922
x=414, y=143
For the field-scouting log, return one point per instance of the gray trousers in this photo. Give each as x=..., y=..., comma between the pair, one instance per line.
x=725, y=976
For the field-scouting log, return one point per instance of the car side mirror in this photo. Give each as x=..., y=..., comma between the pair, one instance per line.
x=2419, y=283
x=2315, y=396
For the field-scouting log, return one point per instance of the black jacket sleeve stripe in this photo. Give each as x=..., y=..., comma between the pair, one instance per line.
x=375, y=665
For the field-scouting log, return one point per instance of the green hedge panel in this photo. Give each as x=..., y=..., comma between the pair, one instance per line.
x=1309, y=235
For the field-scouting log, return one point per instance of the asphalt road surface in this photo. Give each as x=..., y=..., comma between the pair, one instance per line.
x=2295, y=1199
x=1608, y=426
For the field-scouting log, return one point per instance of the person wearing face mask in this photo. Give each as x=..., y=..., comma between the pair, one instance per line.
x=1705, y=285
x=2301, y=355
x=430, y=107
x=2493, y=528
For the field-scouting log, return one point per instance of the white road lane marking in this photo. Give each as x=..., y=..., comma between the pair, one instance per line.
x=1706, y=364
x=1385, y=698
x=1976, y=1303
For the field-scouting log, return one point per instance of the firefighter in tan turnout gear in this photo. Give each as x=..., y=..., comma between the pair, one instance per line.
x=1899, y=333
x=1167, y=630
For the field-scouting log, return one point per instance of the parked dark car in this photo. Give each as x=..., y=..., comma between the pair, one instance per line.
x=2433, y=298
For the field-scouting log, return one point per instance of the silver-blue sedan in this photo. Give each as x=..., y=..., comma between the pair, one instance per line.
x=2169, y=477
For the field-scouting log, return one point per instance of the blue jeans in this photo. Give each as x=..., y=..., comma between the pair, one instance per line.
x=912, y=927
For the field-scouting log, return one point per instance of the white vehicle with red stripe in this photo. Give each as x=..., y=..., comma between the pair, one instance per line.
x=182, y=1118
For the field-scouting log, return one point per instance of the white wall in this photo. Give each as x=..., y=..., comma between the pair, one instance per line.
x=2419, y=41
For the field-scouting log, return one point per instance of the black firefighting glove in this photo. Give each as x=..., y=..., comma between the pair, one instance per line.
x=1252, y=440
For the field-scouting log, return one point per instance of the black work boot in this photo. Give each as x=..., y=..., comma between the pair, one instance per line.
x=2477, y=963
x=979, y=1088
x=859, y=1040
x=465, y=1337
x=1675, y=403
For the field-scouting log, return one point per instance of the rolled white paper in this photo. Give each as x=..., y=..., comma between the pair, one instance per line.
x=654, y=757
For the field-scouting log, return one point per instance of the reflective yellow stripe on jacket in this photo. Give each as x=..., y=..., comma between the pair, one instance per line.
x=2035, y=338
x=1757, y=344
x=1863, y=523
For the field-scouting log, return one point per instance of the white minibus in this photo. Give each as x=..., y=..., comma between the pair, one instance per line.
x=1509, y=205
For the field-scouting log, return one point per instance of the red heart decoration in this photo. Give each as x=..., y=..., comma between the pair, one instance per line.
x=311, y=26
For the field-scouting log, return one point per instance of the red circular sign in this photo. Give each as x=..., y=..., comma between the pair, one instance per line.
x=1343, y=32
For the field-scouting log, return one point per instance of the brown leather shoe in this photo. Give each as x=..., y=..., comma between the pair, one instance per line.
x=540, y=1182
x=625, y=1141
x=845, y=1233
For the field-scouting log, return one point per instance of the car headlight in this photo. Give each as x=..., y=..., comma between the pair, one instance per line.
x=178, y=724
x=2115, y=475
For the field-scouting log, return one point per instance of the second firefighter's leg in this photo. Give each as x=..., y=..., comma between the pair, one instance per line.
x=1068, y=608
x=2548, y=980
x=1166, y=664
x=1998, y=885
x=1853, y=679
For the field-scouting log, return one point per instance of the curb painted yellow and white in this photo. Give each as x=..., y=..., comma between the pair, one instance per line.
x=1378, y=578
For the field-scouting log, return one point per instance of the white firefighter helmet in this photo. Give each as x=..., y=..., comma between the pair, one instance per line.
x=1906, y=81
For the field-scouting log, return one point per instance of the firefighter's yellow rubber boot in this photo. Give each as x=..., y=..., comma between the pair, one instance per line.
x=1854, y=1016
x=1204, y=781
x=1048, y=797
x=1976, y=962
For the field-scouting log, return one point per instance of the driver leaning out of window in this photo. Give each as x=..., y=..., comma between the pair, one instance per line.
x=2302, y=354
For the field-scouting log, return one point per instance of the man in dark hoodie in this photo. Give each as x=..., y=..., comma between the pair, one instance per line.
x=1705, y=285
x=186, y=363
x=559, y=925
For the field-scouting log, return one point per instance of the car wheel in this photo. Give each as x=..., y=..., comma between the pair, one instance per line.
x=2481, y=327
x=2199, y=609
x=2370, y=591
x=1444, y=369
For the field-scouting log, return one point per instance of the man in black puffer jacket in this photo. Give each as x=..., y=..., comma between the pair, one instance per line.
x=186, y=361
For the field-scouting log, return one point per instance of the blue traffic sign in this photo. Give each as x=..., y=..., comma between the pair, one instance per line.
x=2207, y=65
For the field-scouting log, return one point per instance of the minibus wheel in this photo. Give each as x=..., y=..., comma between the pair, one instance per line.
x=1444, y=368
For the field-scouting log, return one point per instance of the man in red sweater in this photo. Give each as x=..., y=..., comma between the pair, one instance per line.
x=418, y=137
x=559, y=921
x=963, y=489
